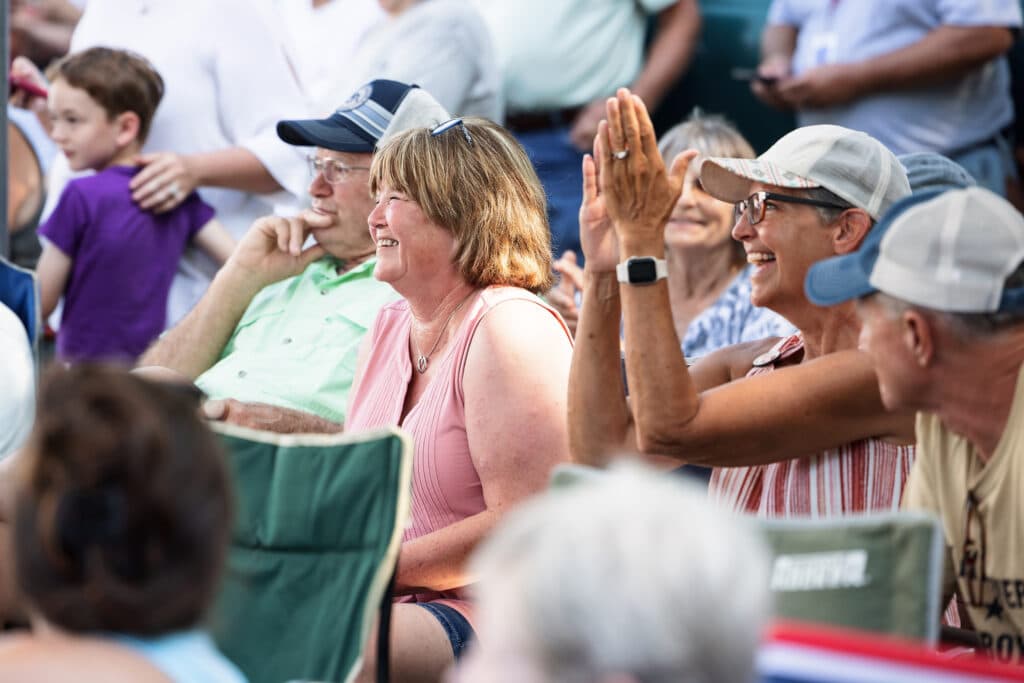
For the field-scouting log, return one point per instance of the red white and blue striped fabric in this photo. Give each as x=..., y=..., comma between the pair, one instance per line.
x=798, y=653
x=863, y=476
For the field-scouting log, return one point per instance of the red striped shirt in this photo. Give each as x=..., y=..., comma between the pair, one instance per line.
x=862, y=476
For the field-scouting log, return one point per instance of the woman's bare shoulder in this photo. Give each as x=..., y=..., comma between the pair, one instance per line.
x=518, y=339
x=523, y=321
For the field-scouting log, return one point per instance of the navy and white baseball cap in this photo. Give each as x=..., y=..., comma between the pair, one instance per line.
x=368, y=118
x=946, y=250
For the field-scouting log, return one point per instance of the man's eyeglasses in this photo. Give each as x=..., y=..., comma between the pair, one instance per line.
x=754, y=205
x=442, y=128
x=972, y=557
x=332, y=170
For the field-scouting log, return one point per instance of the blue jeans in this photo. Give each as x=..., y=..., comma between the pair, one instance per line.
x=455, y=626
x=559, y=166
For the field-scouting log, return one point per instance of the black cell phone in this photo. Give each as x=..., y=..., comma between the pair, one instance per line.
x=749, y=74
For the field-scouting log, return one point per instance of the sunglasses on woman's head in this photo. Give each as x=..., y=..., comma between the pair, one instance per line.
x=442, y=128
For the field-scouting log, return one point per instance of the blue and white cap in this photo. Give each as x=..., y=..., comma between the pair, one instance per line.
x=931, y=171
x=946, y=250
x=368, y=118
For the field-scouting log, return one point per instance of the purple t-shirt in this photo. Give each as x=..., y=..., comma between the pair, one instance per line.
x=123, y=261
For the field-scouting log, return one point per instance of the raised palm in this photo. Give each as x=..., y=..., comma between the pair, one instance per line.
x=600, y=245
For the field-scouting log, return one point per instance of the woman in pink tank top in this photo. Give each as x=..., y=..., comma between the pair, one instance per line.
x=471, y=363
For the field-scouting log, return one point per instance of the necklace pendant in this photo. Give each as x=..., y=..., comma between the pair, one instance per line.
x=421, y=364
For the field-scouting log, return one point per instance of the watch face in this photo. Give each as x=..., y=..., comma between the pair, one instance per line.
x=642, y=270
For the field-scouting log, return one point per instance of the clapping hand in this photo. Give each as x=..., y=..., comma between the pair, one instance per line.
x=597, y=238
x=639, y=192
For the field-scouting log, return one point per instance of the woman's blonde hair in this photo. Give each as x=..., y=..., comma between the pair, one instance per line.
x=475, y=180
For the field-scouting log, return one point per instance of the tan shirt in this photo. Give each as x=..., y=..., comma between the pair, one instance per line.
x=991, y=581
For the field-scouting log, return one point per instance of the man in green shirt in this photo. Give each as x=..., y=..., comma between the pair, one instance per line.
x=274, y=340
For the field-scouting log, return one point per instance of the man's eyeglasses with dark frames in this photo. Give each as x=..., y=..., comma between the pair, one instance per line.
x=754, y=205
x=442, y=128
x=333, y=170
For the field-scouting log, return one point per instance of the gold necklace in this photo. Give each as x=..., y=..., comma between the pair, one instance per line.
x=422, y=362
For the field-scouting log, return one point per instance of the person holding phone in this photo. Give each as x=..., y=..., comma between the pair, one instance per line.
x=901, y=71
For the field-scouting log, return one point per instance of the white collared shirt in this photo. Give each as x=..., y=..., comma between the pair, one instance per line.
x=227, y=84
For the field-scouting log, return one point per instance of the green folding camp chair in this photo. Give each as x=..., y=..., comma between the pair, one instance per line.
x=879, y=573
x=319, y=523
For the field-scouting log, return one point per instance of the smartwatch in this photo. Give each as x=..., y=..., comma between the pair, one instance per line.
x=641, y=270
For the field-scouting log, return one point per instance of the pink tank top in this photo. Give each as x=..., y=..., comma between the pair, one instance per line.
x=862, y=476
x=445, y=484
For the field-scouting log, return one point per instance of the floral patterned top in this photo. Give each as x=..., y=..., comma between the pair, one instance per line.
x=733, y=319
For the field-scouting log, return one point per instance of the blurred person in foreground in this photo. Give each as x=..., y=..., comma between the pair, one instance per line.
x=118, y=534
x=599, y=581
x=793, y=427
x=940, y=291
x=471, y=363
x=708, y=273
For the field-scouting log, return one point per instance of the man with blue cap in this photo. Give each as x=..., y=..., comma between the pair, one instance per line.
x=274, y=339
x=940, y=284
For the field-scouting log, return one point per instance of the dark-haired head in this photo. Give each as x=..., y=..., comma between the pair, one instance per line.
x=123, y=507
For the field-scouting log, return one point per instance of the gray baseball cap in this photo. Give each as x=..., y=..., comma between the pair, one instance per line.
x=848, y=163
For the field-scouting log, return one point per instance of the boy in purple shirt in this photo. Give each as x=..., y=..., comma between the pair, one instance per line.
x=112, y=261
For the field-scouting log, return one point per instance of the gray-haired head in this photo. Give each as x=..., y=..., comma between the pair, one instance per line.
x=710, y=134
x=630, y=573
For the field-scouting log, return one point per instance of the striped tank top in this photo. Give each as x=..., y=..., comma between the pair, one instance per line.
x=863, y=476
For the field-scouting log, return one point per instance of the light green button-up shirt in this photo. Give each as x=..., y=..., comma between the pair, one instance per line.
x=296, y=345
